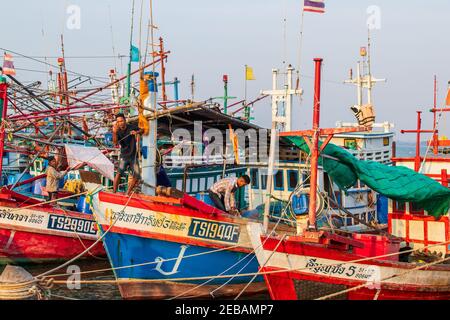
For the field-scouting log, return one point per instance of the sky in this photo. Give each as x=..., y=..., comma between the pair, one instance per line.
x=210, y=38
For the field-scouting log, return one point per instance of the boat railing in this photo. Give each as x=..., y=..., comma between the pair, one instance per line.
x=385, y=127
x=382, y=155
x=179, y=161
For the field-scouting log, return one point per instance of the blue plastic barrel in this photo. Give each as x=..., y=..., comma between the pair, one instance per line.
x=38, y=184
x=62, y=182
x=108, y=138
x=83, y=206
x=382, y=209
x=204, y=197
x=152, y=83
x=300, y=204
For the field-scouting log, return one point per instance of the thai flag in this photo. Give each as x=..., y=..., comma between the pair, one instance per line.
x=317, y=6
x=8, y=65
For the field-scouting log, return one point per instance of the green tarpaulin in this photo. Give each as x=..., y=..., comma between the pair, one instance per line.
x=395, y=182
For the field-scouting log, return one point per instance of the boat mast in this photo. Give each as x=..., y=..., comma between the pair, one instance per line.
x=435, y=136
x=315, y=146
x=309, y=232
x=364, y=80
x=281, y=122
x=4, y=99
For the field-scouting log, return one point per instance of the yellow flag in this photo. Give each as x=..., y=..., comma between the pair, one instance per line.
x=447, y=100
x=249, y=73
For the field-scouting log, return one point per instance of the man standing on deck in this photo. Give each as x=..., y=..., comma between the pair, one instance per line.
x=53, y=177
x=222, y=193
x=125, y=135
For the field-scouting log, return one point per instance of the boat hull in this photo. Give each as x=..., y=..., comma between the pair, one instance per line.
x=152, y=241
x=21, y=247
x=156, y=278
x=44, y=233
x=296, y=270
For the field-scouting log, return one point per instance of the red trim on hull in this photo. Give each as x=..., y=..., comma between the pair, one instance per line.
x=34, y=247
x=146, y=203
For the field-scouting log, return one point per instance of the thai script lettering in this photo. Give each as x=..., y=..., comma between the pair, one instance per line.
x=149, y=220
x=353, y=271
x=15, y=216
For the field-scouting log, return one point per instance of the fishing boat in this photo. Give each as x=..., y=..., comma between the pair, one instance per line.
x=322, y=264
x=32, y=230
x=164, y=243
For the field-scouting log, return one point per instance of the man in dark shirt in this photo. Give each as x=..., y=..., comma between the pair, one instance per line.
x=125, y=135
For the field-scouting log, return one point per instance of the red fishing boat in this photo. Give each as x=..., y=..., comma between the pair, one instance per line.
x=32, y=231
x=318, y=264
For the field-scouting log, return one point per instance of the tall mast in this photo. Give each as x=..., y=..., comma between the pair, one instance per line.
x=315, y=146
x=309, y=232
x=364, y=79
x=435, y=136
x=131, y=51
x=163, y=69
x=4, y=101
x=281, y=122
x=369, y=73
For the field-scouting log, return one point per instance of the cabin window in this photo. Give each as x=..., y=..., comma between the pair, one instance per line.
x=278, y=180
x=415, y=208
x=385, y=142
x=254, y=178
x=399, y=206
x=188, y=185
x=350, y=144
x=292, y=179
x=194, y=185
x=306, y=179
x=210, y=182
x=263, y=181
x=202, y=186
x=180, y=184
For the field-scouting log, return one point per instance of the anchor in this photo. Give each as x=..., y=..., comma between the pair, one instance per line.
x=160, y=261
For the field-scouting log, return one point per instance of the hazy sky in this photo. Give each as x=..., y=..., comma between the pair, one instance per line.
x=210, y=38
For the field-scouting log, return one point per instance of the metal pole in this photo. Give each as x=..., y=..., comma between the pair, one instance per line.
x=417, y=158
x=175, y=88
x=4, y=96
x=315, y=145
x=435, y=136
x=163, y=69
x=225, y=95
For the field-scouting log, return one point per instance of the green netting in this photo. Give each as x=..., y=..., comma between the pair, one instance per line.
x=397, y=183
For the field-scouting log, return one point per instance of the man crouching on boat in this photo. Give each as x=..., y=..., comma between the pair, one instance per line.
x=222, y=193
x=125, y=135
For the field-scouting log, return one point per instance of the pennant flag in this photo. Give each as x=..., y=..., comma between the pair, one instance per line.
x=134, y=54
x=447, y=101
x=317, y=6
x=249, y=73
x=8, y=65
